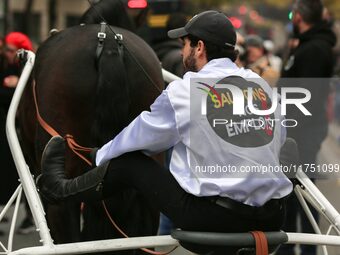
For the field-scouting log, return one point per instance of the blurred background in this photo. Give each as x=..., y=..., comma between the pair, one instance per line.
x=268, y=20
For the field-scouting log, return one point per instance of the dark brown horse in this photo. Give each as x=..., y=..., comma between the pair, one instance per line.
x=92, y=98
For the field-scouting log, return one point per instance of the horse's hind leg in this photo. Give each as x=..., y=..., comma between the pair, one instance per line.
x=64, y=222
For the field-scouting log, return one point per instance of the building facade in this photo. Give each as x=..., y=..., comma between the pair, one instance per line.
x=43, y=16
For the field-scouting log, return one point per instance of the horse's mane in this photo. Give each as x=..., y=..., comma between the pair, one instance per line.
x=112, y=11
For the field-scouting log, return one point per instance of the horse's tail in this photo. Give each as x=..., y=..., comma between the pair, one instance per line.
x=112, y=94
x=111, y=11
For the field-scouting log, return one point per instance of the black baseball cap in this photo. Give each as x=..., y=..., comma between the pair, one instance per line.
x=210, y=26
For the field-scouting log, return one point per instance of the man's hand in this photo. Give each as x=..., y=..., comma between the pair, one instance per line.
x=11, y=81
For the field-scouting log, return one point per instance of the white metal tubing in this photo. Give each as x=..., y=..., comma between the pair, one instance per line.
x=169, y=77
x=307, y=210
x=100, y=246
x=329, y=210
x=18, y=157
x=313, y=239
x=4, y=248
x=14, y=221
x=299, y=194
x=337, y=231
x=312, y=200
x=10, y=202
x=136, y=242
x=320, y=208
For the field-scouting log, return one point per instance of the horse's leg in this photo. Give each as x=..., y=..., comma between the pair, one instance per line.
x=129, y=211
x=64, y=221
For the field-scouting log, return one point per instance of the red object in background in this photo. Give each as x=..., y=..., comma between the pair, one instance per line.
x=137, y=4
x=19, y=40
x=242, y=10
x=237, y=23
x=253, y=15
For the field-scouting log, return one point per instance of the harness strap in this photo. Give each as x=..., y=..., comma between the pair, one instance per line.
x=261, y=244
x=119, y=40
x=101, y=38
x=72, y=144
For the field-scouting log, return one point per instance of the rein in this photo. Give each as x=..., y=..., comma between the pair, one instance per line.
x=72, y=144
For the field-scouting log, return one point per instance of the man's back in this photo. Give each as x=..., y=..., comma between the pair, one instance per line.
x=208, y=163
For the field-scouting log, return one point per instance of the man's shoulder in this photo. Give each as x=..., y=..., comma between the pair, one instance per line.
x=189, y=76
x=247, y=73
x=176, y=87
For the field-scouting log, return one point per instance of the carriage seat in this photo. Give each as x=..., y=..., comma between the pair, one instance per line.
x=226, y=243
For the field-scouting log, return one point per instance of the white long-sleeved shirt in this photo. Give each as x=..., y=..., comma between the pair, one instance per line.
x=168, y=124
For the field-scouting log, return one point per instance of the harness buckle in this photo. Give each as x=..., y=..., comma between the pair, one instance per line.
x=101, y=35
x=101, y=38
x=119, y=37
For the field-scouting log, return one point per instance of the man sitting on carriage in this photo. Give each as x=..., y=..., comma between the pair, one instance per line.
x=229, y=203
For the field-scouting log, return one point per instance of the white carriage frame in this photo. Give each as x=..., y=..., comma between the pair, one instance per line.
x=307, y=191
